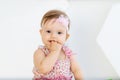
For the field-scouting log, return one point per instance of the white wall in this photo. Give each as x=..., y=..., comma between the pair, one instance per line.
x=88, y=19
x=19, y=36
x=109, y=37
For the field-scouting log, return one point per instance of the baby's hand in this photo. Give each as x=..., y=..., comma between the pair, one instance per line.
x=55, y=45
x=36, y=73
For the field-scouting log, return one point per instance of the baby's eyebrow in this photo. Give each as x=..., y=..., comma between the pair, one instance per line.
x=47, y=28
x=61, y=31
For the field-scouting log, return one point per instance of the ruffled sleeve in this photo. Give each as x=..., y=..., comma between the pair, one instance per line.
x=68, y=51
x=44, y=49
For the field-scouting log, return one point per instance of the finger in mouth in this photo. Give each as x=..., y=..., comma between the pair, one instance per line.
x=51, y=41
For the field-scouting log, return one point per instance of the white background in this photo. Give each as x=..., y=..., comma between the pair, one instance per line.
x=19, y=35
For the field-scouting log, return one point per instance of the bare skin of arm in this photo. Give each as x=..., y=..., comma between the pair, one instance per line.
x=43, y=63
x=76, y=69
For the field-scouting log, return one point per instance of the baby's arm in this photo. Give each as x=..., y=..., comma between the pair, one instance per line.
x=75, y=69
x=43, y=63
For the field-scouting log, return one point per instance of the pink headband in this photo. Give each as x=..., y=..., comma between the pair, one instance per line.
x=63, y=20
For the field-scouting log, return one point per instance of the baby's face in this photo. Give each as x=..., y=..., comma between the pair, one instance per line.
x=53, y=31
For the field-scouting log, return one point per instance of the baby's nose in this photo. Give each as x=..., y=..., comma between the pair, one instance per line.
x=53, y=35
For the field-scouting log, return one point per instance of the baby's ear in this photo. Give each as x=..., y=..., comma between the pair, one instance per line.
x=40, y=31
x=67, y=36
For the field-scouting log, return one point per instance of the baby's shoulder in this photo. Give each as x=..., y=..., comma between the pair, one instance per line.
x=67, y=51
x=38, y=52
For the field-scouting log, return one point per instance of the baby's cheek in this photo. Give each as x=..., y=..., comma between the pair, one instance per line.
x=63, y=41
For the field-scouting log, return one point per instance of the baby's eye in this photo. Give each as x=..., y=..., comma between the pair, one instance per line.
x=48, y=31
x=59, y=32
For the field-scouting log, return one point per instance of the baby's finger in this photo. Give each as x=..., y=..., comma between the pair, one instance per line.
x=54, y=42
x=59, y=42
x=35, y=73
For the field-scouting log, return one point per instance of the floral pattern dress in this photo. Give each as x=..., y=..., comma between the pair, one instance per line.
x=61, y=69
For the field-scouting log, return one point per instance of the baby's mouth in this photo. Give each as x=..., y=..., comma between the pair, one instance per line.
x=51, y=41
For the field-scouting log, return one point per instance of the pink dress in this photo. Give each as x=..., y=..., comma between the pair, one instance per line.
x=61, y=69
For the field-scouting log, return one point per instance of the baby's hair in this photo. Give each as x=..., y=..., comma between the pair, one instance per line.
x=54, y=14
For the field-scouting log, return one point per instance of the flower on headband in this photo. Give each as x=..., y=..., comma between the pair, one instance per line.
x=63, y=20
